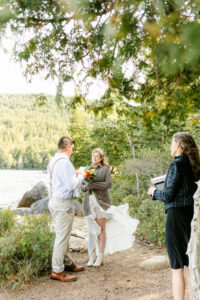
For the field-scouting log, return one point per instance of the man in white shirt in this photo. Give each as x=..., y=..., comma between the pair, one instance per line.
x=64, y=181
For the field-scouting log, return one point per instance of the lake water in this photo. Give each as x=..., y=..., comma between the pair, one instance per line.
x=14, y=183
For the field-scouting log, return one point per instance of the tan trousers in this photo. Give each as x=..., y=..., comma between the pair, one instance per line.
x=62, y=217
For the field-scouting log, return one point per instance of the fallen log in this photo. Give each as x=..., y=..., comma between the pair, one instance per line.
x=78, y=236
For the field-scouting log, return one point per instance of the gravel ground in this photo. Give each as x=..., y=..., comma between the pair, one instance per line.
x=120, y=278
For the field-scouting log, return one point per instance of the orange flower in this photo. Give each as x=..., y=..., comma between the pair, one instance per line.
x=90, y=175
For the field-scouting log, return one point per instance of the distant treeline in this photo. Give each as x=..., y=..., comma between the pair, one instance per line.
x=29, y=133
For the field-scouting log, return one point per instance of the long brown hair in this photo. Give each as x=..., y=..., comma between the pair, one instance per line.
x=102, y=155
x=190, y=149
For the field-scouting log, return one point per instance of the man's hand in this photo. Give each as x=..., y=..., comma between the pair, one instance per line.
x=151, y=191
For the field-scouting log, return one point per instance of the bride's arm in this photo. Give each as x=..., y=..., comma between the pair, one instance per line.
x=101, y=185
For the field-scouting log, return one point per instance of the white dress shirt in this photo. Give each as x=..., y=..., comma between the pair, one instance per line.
x=62, y=177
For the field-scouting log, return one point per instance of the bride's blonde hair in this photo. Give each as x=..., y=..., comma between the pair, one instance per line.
x=102, y=155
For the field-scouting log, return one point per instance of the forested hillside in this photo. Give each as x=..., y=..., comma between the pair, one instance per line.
x=29, y=133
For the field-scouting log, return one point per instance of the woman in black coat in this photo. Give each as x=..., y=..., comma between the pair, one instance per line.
x=177, y=196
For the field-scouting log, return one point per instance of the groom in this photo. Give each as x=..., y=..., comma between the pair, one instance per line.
x=64, y=181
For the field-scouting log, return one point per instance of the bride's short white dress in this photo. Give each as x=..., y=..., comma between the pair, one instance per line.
x=120, y=227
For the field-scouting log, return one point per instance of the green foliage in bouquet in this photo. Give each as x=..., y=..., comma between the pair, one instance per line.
x=25, y=251
x=152, y=217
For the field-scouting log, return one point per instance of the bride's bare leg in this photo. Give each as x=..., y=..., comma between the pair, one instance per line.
x=101, y=241
x=102, y=237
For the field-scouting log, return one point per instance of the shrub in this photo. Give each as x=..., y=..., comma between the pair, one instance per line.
x=152, y=217
x=134, y=203
x=121, y=188
x=7, y=221
x=149, y=163
x=26, y=251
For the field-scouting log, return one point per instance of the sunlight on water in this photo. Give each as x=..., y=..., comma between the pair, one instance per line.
x=14, y=183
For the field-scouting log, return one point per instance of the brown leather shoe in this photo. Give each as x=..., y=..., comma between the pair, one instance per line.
x=62, y=276
x=74, y=268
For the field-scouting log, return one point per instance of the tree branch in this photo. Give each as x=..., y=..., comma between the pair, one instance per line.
x=39, y=20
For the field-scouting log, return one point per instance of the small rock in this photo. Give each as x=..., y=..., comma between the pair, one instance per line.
x=155, y=263
x=77, y=243
x=22, y=211
x=79, y=227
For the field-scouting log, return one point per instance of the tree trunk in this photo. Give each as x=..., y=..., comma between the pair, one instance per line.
x=137, y=184
x=194, y=250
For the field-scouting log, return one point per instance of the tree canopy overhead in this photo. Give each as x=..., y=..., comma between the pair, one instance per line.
x=145, y=50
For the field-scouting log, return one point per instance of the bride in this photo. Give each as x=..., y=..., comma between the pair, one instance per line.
x=110, y=228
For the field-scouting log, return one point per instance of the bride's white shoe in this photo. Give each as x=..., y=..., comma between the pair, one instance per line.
x=99, y=260
x=92, y=259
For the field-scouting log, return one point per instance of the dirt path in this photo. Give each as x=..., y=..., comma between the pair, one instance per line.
x=120, y=278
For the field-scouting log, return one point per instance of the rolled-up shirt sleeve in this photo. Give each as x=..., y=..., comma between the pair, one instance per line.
x=172, y=182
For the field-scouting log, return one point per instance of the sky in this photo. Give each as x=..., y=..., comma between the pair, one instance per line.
x=12, y=80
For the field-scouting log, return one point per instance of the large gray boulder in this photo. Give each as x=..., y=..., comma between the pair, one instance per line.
x=39, y=191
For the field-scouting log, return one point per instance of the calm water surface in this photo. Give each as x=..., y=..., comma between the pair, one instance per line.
x=14, y=183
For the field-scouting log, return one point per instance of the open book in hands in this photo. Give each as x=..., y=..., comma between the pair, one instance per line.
x=158, y=182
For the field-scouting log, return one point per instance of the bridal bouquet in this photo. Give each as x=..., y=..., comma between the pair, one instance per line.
x=90, y=175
